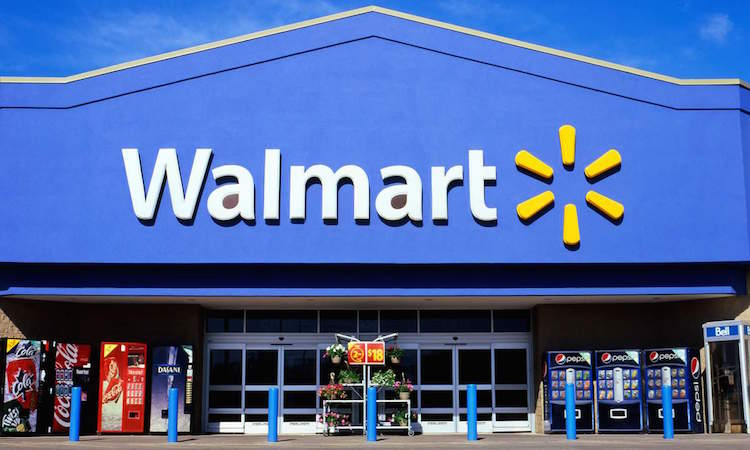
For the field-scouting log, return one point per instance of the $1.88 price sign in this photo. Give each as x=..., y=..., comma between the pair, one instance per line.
x=361, y=353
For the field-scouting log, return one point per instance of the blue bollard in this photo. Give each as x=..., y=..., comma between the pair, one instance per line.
x=570, y=404
x=666, y=402
x=273, y=414
x=75, y=414
x=471, y=412
x=372, y=414
x=172, y=414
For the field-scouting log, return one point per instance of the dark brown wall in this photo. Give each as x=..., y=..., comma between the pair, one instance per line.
x=625, y=326
x=154, y=324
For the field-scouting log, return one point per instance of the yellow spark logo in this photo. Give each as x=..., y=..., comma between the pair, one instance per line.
x=594, y=172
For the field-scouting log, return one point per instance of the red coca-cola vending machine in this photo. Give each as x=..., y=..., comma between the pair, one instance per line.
x=122, y=387
x=72, y=367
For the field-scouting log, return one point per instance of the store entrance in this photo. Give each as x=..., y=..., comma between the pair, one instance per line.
x=242, y=364
x=726, y=383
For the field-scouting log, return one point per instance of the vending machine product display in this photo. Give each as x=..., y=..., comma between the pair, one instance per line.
x=122, y=387
x=619, y=390
x=687, y=392
x=72, y=368
x=171, y=366
x=557, y=363
x=22, y=360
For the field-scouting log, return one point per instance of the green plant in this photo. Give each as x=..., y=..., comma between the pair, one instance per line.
x=401, y=417
x=383, y=378
x=349, y=376
x=395, y=352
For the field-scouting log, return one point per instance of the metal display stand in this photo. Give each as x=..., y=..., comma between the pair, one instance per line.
x=362, y=400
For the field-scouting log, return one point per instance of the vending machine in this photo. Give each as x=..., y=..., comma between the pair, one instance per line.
x=122, y=387
x=687, y=390
x=171, y=367
x=72, y=367
x=619, y=390
x=557, y=363
x=22, y=361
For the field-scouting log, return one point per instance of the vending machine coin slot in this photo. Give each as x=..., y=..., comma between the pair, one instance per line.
x=618, y=413
x=578, y=414
x=661, y=413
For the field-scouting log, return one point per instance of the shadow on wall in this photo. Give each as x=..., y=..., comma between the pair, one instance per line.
x=83, y=323
x=626, y=326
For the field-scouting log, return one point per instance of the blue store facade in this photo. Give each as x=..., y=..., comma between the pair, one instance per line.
x=371, y=172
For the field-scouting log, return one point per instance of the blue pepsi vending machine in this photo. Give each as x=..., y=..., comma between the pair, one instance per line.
x=619, y=391
x=557, y=363
x=687, y=392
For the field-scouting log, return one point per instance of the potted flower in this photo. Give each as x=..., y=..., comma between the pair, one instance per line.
x=403, y=388
x=401, y=418
x=383, y=378
x=332, y=392
x=335, y=352
x=333, y=419
x=395, y=353
x=348, y=376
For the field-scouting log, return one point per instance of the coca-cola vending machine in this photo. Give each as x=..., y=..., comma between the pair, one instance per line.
x=72, y=367
x=22, y=360
x=171, y=366
x=122, y=387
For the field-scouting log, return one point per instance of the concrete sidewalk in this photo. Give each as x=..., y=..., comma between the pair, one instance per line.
x=617, y=441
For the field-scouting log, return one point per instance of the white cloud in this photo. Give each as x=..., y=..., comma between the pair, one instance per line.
x=716, y=28
x=125, y=35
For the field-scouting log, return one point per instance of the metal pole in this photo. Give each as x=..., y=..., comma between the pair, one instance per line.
x=273, y=414
x=743, y=374
x=709, y=404
x=471, y=412
x=75, y=414
x=570, y=404
x=172, y=415
x=372, y=414
x=666, y=402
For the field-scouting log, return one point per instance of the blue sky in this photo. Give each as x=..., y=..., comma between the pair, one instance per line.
x=683, y=38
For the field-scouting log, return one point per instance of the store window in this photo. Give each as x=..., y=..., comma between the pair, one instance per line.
x=512, y=321
x=395, y=321
x=368, y=322
x=260, y=321
x=227, y=321
x=453, y=321
x=338, y=321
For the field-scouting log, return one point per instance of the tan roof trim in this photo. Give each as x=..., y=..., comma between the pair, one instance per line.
x=390, y=12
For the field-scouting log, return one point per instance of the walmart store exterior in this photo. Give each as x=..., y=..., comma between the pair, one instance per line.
x=374, y=172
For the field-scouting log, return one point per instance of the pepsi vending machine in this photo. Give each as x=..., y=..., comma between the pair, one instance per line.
x=686, y=389
x=618, y=400
x=557, y=363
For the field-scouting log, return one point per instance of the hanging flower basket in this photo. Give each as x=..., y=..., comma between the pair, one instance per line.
x=395, y=353
x=335, y=352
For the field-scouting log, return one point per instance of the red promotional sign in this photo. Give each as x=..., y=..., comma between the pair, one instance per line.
x=361, y=353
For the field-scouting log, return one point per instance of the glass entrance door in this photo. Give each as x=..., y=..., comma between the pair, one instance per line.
x=474, y=366
x=298, y=391
x=437, y=389
x=726, y=383
x=511, y=400
x=261, y=373
x=225, y=400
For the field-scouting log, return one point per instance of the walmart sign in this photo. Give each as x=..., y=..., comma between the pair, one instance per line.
x=397, y=201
